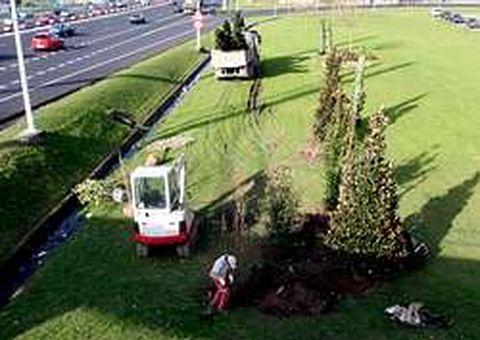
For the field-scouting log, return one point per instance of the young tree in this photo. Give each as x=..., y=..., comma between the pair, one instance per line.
x=281, y=204
x=323, y=41
x=335, y=148
x=358, y=95
x=327, y=99
x=365, y=221
x=223, y=37
x=231, y=36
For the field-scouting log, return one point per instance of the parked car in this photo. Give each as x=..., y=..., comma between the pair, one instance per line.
x=137, y=18
x=436, y=12
x=457, y=19
x=446, y=15
x=62, y=30
x=474, y=24
x=45, y=41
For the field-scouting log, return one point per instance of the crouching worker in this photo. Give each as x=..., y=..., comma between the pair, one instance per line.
x=222, y=275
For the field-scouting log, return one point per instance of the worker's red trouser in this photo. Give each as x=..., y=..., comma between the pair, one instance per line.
x=221, y=298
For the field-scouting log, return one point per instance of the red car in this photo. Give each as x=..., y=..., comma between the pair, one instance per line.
x=46, y=42
x=46, y=20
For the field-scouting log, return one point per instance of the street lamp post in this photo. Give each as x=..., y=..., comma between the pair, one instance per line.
x=198, y=24
x=31, y=131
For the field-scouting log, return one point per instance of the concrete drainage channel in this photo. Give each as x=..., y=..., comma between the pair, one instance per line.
x=53, y=230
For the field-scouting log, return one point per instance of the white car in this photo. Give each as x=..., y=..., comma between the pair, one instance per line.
x=7, y=25
x=436, y=12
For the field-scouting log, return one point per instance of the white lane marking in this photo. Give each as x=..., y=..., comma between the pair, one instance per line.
x=126, y=41
x=15, y=82
x=46, y=27
x=70, y=62
x=35, y=58
x=108, y=36
x=13, y=65
x=3, y=87
x=106, y=62
x=29, y=77
x=2, y=68
x=40, y=73
x=51, y=68
x=61, y=65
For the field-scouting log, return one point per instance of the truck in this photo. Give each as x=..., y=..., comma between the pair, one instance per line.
x=241, y=63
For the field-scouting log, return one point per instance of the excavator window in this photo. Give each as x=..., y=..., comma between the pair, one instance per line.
x=150, y=193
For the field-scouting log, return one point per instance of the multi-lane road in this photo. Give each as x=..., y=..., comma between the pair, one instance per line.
x=101, y=46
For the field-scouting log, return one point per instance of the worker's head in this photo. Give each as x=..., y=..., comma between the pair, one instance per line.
x=232, y=261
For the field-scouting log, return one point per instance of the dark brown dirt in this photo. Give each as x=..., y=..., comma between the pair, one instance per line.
x=305, y=279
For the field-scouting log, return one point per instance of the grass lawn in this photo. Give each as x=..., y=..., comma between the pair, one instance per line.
x=95, y=286
x=79, y=134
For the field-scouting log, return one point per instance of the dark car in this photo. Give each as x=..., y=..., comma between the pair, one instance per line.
x=63, y=30
x=137, y=19
x=457, y=19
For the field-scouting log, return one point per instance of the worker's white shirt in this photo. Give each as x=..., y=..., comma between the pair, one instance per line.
x=220, y=268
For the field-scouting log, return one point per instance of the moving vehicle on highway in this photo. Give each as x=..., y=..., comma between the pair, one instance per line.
x=62, y=30
x=66, y=15
x=137, y=18
x=7, y=25
x=45, y=41
x=190, y=6
x=95, y=11
x=46, y=19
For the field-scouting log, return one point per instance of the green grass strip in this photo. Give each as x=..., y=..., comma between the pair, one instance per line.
x=79, y=134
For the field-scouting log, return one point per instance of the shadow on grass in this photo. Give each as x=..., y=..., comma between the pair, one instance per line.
x=386, y=46
x=396, y=111
x=84, y=80
x=274, y=67
x=374, y=70
x=414, y=170
x=357, y=41
x=99, y=272
x=205, y=120
x=35, y=178
x=437, y=215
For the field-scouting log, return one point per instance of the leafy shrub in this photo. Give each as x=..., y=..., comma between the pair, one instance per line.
x=335, y=144
x=230, y=36
x=93, y=192
x=365, y=221
x=327, y=98
x=280, y=204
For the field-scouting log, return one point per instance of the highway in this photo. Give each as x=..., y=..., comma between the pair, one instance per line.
x=100, y=47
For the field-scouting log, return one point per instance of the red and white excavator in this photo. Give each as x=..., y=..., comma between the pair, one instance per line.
x=159, y=209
